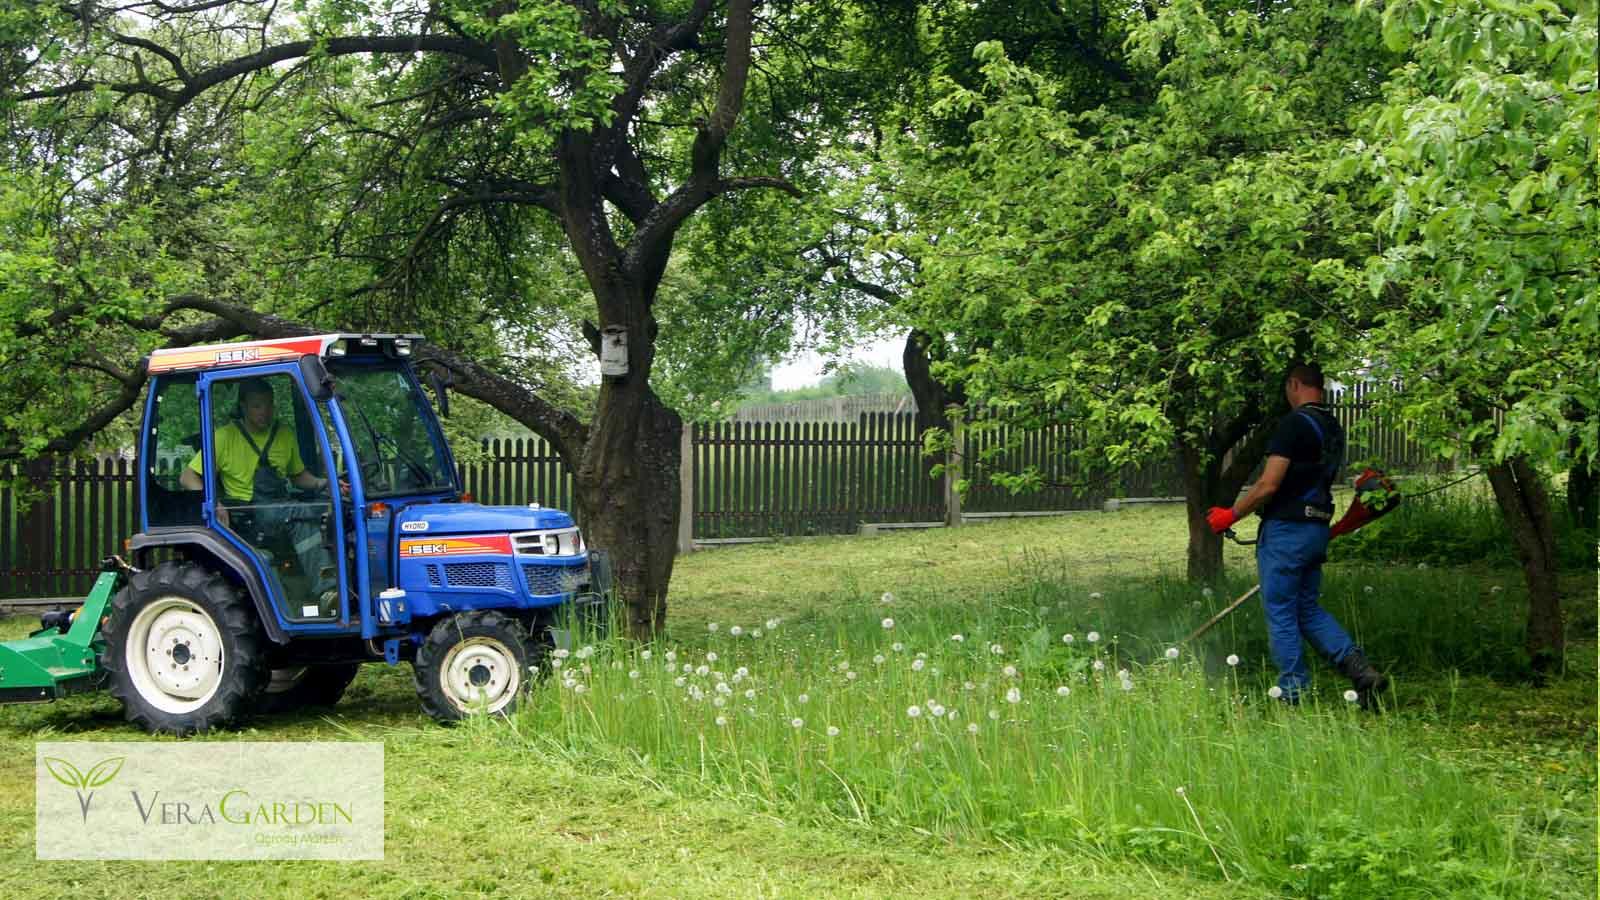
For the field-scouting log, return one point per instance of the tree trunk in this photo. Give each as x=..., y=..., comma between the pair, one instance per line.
x=627, y=490
x=1201, y=491
x=1583, y=493
x=1525, y=505
x=932, y=397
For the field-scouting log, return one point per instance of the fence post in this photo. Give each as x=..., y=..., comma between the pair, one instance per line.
x=686, y=488
x=952, y=468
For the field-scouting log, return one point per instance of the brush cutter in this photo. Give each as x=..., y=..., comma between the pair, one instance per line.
x=1376, y=495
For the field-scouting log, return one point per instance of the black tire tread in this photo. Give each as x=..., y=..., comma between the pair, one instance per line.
x=444, y=635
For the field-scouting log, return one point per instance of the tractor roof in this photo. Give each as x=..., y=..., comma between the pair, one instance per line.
x=255, y=353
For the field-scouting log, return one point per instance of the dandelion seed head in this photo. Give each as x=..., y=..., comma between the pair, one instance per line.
x=957, y=638
x=1368, y=589
x=850, y=675
x=1275, y=692
x=1099, y=666
x=1095, y=595
x=1233, y=659
x=1067, y=638
x=968, y=686
x=735, y=630
x=644, y=655
x=888, y=624
x=844, y=666
x=877, y=659
x=833, y=731
x=1093, y=637
x=680, y=681
x=712, y=626
x=1172, y=653
x=580, y=688
x=633, y=675
x=1351, y=696
x=1063, y=691
x=1494, y=590
x=772, y=624
x=556, y=663
x=897, y=647
x=722, y=721
x=561, y=653
x=719, y=702
x=914, y=711
x=917, y=664
x=996, y=649
x=994, y=715
x=972, y=728
x=1010, y=671
x=750, y=694
x=797, y=722
x=1013, y=695
x=672, y=656
x=1127, y=685
x=886, y=599
x=755, y=633
x=702, y=670
x=803, y=698
x=1207, y=593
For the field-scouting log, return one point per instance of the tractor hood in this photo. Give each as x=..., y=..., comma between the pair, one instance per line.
x=472, y=518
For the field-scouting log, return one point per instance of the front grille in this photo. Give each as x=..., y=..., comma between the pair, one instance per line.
x=495, y=575
x=433, y=577
x=547, y=580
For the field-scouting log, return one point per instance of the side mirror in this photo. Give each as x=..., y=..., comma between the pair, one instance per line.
x=441, y=392
x=316, y=377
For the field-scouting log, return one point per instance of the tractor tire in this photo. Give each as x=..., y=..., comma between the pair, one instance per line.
x=301, y=686
x=471, y=663
x=184, y=651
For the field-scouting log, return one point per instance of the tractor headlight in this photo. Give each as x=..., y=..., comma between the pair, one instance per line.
x=552, y=545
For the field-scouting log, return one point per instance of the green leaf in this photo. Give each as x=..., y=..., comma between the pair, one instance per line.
x=65, y=772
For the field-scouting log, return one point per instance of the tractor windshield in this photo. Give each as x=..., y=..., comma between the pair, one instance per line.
x=395, y=435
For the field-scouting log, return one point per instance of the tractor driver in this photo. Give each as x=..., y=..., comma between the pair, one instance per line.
x=256, y=457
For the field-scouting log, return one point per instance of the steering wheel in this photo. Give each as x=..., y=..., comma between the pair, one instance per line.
x=371, y=469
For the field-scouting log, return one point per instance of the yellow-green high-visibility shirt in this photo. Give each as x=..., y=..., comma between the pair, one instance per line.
x=237, y=459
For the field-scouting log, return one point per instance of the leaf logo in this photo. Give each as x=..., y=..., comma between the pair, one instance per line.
x=99, y=775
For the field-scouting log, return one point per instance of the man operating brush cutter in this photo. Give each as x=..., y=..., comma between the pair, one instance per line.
x=1295, y=497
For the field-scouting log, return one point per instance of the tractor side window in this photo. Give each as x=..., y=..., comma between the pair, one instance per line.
x=173, y=440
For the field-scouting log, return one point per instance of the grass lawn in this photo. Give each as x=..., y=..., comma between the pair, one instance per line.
x=582, y=794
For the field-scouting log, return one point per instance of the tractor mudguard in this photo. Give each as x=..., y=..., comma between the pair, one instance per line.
x=225, y=554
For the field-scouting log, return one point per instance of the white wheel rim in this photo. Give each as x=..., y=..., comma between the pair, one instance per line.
x=174, y=655
x=481, y=673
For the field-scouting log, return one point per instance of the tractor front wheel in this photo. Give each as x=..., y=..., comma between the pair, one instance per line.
x=473, y=662
x=183, y=650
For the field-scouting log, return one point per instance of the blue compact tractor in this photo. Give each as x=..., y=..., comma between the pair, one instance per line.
x=300, y=514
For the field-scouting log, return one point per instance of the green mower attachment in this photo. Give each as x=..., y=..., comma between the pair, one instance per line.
x=64, y=658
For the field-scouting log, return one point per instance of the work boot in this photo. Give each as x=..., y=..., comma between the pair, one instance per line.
x=1368, y=682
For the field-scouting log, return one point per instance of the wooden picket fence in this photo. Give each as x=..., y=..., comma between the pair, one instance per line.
x=749, y=480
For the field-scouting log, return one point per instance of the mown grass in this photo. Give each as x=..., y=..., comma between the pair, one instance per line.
x=1472, y=784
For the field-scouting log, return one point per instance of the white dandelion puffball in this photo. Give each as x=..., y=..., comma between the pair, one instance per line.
x=1367, y=589
x=719, y=702
x=914, y=711
x=1010, y=671
x=797, y=722
x=1094, y=637
x=680, y=681
x=1275, y=692
x=702, y=670
x=561, y=653
x=1123, y=674
x=1127, y=685
x=888, y=624
x=741, y=672
x=712, y=626
x=644, y=655
x=724, y=689
x=750, y=694
x=850, y=675
x=994, y=715
x=877, y=659
x=555, y=663
x=1172, y=653
x=585, y=651
x=1207, y=593
x=672, y=656
x=736, y=631
x=923, y=655
x=722, y=721
x=954, y=714
x=1099, y=666
x=897, y=647
x=844, y=666
x=1351, y=696
x=968, y=686
x=711, y=657
x=1063, y=690
x=972, y=728
x=1233, y=659
x=935, y=710
x=569, y=683
x=917, y=664
x=1067, y=638
x=1095, y=595
x=534, y=668
x=1494, y=590
x=1422, y=565
x=580, y=688
x=771, y=624
x=957, y=638
x=1013, y=695
x=804, y=698
x=996, y=649
x=633, y=675
x=886, y=599
x=833, y=731
x=755, y=633
x=687, y=668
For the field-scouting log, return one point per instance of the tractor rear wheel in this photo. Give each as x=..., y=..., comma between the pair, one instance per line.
x=472, y=662
x=183, y=650
x=301, y=686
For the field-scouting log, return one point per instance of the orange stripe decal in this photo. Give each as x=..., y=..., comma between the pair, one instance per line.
x=462, y=546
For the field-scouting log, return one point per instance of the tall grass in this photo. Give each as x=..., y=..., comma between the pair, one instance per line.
x=980, y=721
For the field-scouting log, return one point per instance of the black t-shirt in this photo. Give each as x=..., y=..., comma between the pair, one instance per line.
x=1311, y=439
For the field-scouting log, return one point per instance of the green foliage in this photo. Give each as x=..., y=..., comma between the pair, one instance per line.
x=1149, y=272
x=1485, y=150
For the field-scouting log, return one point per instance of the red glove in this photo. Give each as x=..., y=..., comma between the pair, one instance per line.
x=1220, y=518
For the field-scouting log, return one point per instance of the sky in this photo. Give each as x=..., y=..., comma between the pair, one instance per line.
x=805, y=369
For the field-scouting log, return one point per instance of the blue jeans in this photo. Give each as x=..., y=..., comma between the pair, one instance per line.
x=1289, y=558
